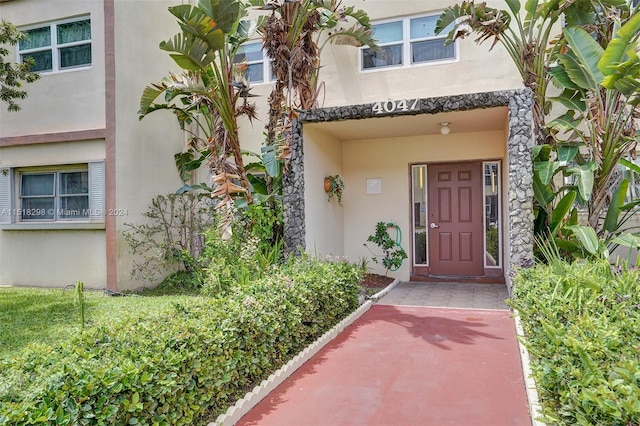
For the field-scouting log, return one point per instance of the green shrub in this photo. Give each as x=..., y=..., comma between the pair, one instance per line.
x=184, y=367
x=582, y=327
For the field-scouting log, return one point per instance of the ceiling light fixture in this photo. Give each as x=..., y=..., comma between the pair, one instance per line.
x=444, y=128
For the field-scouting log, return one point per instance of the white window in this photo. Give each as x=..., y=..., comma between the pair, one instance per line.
x=258, y=65
x=58, y=46
x=60, y=194
x=407, y=42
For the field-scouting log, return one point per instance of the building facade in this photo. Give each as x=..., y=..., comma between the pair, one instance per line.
x=434, y=140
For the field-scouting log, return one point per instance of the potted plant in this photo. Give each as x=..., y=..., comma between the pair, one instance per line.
x=334, y=185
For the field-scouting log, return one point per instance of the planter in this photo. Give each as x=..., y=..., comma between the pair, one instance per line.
x=327, y=184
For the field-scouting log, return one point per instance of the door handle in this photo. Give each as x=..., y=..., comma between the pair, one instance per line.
x=433, y=226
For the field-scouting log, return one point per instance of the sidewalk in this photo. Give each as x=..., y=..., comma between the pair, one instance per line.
x=407, y=365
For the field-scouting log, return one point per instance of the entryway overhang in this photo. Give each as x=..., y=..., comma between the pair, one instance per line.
x=507, y=111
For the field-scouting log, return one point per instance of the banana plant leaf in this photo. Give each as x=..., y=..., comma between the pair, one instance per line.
x=545, y=170
x=560, y=211
x=627, y=240
x=542, y=193
x=584, y=55
x=619, y=46
x=571, y=99
x=587, y=237
x=566, y=152
x=584, y=175
x=615, y=206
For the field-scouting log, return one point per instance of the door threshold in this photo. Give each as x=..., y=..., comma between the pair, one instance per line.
x=457, y=279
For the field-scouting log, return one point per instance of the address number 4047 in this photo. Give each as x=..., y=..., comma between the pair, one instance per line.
x=385, y=107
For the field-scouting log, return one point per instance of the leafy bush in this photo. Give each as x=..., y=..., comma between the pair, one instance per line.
x=183, y=367
x=172, y=237
x=393, y=253
x=582, y=327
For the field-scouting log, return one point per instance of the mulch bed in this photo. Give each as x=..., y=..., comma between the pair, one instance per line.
x=376, y=281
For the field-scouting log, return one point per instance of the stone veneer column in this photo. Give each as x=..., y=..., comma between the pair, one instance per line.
x=293, y=195
x=520, y=191
x=519, y=167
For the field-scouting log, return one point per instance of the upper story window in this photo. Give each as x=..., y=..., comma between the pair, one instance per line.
x=258, y=65
x=58, y=46
x=407, y=42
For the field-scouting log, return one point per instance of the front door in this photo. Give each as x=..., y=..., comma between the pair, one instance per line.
x=455, y=214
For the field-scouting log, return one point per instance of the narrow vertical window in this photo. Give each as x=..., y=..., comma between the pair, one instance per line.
x=419, y=198
x=492, y=222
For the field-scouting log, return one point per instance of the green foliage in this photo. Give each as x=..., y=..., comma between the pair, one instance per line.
x=595, y=65
x=172, y=237
x=46, y=317
x=203, y=357
x=581, y=324
x=393, y=253
x=12, y=76
x=336, y=188
x=80, y=301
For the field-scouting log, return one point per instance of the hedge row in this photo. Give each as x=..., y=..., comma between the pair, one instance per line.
x=582, y=327
x=183, y=368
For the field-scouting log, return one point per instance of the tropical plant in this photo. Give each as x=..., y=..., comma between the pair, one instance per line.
x=392, y=252
x=12, y=76
x=597, y=68
x=293, y=39
x=601, y=94
x=208, y=95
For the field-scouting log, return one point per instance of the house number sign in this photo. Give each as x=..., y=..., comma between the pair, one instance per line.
x=387, y=107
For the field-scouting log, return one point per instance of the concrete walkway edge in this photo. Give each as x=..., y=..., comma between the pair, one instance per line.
x=530, y=384
x=251, y=399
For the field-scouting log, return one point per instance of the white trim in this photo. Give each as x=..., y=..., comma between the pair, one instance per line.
x=484, y=218
x=6, y=198
x=413, y=218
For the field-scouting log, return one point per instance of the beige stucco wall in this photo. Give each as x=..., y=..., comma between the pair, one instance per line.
x=63, y=101
x=144, y=149
x=52, y=258
x=476, y=70
x=388, y=159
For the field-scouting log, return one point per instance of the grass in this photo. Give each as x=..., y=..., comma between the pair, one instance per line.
x=49, y=316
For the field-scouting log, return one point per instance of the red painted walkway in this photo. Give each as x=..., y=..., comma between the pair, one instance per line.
x=399, y=365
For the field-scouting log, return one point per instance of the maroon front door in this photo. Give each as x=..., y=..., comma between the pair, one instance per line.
x=454, y=223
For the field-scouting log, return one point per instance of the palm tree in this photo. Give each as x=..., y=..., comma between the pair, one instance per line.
x=293, y=39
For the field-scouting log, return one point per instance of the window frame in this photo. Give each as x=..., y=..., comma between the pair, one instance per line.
x=11, y=198
x=406, y=44
x=55, y=47
x=57, y=196
x=265, y=61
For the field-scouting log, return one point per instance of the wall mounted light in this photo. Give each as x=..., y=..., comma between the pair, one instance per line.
x=444, y=128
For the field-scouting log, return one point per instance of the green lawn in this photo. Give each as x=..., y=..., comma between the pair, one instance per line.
x=48, y=316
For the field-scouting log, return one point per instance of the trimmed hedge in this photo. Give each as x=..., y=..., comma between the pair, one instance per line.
x=178, y=369
x=582, y=328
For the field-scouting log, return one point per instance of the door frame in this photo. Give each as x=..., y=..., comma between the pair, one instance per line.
x=420, y=272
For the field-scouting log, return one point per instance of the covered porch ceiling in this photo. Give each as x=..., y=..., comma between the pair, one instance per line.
x=476, y=120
